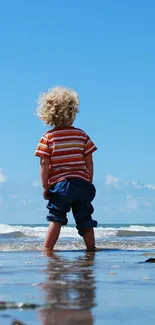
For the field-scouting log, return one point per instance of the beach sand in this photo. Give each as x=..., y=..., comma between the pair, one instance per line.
x=73, y=287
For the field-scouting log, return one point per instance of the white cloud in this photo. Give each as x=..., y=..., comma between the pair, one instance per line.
x=14, y=196
x=24, y=202
x=3, y=178
x=131, y=203
x=147, y=204
x=111, y=180
x=36, y=183
x=114, y=181
x=135, y=184
x=150, y=186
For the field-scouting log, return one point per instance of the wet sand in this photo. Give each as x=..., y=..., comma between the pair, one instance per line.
x=73, y=287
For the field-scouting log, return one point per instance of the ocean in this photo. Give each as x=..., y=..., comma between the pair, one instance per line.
x=113, y=286
x=29, y=237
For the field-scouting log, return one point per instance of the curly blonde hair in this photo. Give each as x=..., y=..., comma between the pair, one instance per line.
x=58, y=106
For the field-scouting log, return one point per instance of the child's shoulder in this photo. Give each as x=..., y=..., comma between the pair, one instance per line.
x=80, y=131
x=49, y=133
x=64, y=131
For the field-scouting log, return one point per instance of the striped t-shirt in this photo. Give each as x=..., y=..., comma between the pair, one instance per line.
x=66, y=148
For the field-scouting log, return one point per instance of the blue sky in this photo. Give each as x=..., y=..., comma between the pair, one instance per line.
x=104, y=50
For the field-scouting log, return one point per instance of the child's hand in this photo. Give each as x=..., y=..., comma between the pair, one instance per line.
x=45, y=194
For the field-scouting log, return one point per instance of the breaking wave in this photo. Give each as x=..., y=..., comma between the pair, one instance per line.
x=30, y=238
x=38, y=232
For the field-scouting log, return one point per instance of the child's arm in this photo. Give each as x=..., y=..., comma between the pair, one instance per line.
x=89, y=164
x=44, y=173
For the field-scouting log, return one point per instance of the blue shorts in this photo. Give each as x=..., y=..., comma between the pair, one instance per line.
x=75, y=194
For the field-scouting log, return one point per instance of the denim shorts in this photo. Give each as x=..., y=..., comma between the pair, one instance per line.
x=75, y=194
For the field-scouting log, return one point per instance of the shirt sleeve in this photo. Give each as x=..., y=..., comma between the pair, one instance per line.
x=89, y=146
x=43, y=150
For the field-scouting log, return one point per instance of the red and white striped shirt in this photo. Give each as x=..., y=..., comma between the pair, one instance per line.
x=66, y=148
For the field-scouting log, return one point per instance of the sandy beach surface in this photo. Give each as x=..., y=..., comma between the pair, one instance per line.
x=109, y=287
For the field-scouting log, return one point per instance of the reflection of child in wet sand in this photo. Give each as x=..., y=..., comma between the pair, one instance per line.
x=66, y=166
x=66, y=317
x=69, y=291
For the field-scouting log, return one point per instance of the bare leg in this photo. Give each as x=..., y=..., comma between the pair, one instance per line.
x=89, y=240
x=52, y=235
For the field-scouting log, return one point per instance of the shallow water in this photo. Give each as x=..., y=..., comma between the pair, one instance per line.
x=30, y=237
x=74, y=287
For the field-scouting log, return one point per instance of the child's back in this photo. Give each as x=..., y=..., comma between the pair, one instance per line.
x=66, y=149
x=66, y=167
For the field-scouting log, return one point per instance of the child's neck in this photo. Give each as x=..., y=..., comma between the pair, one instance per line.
x=63, y=127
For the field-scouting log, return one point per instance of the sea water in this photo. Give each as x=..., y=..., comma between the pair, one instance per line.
x=30, y=237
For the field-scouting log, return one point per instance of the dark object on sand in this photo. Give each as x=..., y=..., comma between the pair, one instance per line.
x=150, y=260
x=14, y=305
x=17, y=322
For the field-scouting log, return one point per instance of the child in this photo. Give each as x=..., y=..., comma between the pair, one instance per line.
x=66, y=167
